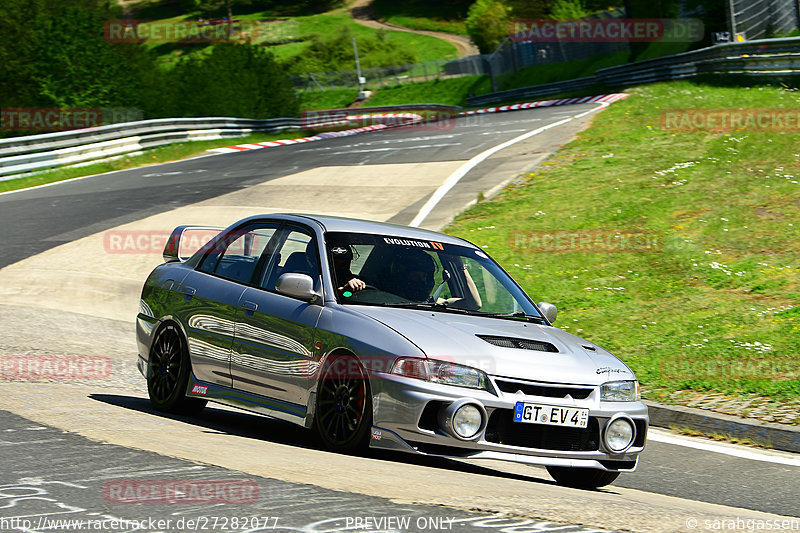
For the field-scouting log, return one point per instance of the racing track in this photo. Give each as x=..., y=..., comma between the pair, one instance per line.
x=64, y=291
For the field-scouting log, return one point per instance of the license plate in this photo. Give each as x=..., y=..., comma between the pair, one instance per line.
x=551, y=415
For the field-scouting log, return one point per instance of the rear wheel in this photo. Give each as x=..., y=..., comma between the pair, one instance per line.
x=581, y=478
x=343, y=415
x=169, y=370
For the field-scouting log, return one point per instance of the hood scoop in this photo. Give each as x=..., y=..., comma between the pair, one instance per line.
x=522, y=344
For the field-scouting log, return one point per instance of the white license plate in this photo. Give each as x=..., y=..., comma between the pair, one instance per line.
x=551, y=415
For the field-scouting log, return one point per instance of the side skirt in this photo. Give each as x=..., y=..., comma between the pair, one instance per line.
x=290, y=412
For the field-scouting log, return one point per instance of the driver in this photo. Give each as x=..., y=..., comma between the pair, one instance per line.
x=412, y=275
x=342, y=257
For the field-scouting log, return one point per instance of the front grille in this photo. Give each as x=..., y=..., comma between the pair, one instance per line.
x=503, y=430
x=523, y=344
x=538, y=389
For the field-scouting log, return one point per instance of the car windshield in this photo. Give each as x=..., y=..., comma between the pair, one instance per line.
x=394, y=271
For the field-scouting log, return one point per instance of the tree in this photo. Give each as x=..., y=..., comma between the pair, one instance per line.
x=568, y=9
x=234, y=80
x=488, y=23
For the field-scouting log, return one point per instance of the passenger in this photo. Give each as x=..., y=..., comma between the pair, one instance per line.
x=412, y=275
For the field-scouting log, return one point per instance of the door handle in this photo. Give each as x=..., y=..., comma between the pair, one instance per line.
x=250, y=306
x=188, y=292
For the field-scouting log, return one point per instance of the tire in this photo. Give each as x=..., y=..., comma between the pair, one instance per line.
x=169, y=370
x=581, y=478
x=343, y=417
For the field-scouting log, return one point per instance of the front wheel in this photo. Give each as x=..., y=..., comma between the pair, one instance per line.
x=168, y=374
x=343, y=415
x=581, y=478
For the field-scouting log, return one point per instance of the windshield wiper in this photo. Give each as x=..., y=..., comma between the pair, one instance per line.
x=427, y=305
x=517, y=314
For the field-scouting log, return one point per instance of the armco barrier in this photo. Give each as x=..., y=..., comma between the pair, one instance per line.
x=31, y=153
x=766, y=57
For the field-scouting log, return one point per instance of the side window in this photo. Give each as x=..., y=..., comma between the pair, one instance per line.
x=236, y=257
x=297, y=253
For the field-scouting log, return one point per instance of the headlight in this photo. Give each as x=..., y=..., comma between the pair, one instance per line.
x=619, y=434
x=620, y=391
x=442, y=372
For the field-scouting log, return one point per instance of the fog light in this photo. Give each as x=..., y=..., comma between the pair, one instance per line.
x=467, y=421
x=619, y=434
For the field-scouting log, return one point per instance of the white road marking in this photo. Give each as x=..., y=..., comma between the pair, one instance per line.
x=753, y=455
x=462, y=171
x=417, y=147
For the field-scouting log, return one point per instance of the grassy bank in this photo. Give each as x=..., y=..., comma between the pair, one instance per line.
x=287, y=37
x=714, y=303
x=420, y=15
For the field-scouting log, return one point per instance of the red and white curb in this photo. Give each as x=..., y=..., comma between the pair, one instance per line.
x=389, y=120
x=607, y=98
x=282, y=142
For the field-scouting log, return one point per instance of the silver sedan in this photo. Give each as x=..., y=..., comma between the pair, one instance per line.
x=386, y=336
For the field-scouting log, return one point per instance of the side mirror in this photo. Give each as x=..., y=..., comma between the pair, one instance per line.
x=549, y=311
x=296, y=285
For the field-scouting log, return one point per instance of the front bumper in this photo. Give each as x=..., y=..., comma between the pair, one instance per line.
x=405, y=419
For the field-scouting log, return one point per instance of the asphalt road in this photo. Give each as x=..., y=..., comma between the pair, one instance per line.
x=56, y=481
x=43, y=218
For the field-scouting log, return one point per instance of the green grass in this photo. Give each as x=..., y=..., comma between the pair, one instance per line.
x=448, y=91
x=161, y=154
x=723, y=285
x=421, y=15
x=292, y=36
x=327, y=99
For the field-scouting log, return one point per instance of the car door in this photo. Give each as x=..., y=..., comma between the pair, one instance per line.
x=212, y=294
x=274, y=341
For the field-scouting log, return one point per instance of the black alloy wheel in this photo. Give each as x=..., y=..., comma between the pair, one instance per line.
x=169, y=373
x=344, y=407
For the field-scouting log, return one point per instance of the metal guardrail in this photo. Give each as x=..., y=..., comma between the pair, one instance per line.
x=38, y=152
x=32, y=153
x=766, y=57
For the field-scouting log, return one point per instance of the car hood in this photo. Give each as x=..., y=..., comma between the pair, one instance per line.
x=453, y=337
